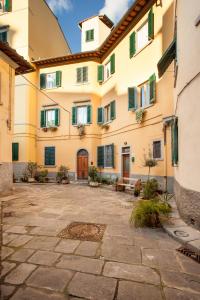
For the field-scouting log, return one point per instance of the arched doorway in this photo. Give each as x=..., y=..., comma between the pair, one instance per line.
x=82, y=164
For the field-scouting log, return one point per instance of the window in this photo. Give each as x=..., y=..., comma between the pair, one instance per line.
x=142, y=36
x=89, y=35
x=5, y=5
x=50, y=118
x=157, y=150
x=81, y=115
x=15, y=151
x=105, y=156
x=107, y=70
x=145, y=94
x=49, y=156
x=3, y=35
x=107, y=113
x=50, y=80
x=82, y=75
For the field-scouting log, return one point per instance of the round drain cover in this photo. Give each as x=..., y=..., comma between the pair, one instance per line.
x=181, y=233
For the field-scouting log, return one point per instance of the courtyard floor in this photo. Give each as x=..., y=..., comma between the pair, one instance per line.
x=127, y=264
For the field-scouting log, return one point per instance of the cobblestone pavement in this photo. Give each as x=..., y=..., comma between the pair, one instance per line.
x=127, y=264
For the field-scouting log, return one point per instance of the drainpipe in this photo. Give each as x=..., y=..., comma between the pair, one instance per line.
x=165, y=155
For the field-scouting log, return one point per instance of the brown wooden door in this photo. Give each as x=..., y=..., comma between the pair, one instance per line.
x=126, y=165
x=82, y=165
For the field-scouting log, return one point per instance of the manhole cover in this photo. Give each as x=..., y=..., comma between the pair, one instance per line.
x=181, y=233
x=83, y=231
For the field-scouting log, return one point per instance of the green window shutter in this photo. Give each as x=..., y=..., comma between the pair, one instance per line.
x=113, y=155
x=3, y=36
x=151, y=24
x=132, y=98
x=49, y=156
x=92, y=34
x=57, y=117
x=78, y=75
x=85, y=74
x=112, y=110
x=100, y=73
x=152, y=84
x=15, y=151
x=42, y=81
x=112, y=62
x=100, y=116
x=7, y=5
x=132, y=47
x=100, y=156
x=43, y=119
x=174, y=132
x=74, y=115
x=89, y=114
x=58, y=78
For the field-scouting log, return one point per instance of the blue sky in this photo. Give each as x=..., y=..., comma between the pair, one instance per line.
x=71, y=12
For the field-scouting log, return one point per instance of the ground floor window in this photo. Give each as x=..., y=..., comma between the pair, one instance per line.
x=49, y=159
x=15, y=151
x=157, y=149
x=105, y=156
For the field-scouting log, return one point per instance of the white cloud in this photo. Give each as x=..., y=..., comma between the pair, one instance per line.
x=115, y=9
x=59, y=5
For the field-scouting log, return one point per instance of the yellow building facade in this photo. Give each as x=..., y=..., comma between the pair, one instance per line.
x=20, y=26
x=114, y=95
x=10, y=64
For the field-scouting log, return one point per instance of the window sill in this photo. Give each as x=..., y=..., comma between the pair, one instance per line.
x=159, y=159
x=82, y=83
x=88, y=124
x=144, y=107
x=50, y=167
x=138, y=51
x=50, y=89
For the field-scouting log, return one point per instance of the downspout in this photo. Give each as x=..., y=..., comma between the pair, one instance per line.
x=165, y=156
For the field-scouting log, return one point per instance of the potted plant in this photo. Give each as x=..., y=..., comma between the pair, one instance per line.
x=41, y=176
x=31, y=171
x=149, y=162
x=93, y=176
x=81, y=129
x=63, y=175
x=139, y=115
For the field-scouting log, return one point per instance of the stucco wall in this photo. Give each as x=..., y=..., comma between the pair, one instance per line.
x=187, y=109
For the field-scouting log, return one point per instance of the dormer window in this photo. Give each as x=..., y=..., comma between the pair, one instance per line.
x=5, y=5
x=89, y=35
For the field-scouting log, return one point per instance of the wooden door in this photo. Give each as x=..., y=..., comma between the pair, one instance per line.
x=82, y=165
x=126, y=165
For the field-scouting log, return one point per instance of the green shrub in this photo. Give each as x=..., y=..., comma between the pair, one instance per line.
x=150, y=189
x=93, y=174
x=62, y=174
x=148, y=213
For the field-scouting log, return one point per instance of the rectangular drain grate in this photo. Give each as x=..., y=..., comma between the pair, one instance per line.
x=189, y=253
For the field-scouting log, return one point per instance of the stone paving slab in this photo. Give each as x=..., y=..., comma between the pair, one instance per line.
x=136, y=291
x=174, y=294
x=8, y=237
x=22, y=255
x=121, y=253
x=17, y=229
x=20, y=241
x=35, y=294
x=87, y=248
x=19, y=274
x=160, y=259
x=92, y=287
x=45, y=258
x=188, y=266
x=6, y=251
x=7, y=290
x=7, y=267
x=42, y=243
x=136, y=273
x=81, y=264
x=181, y=281
x=50, y=278
x=67, y=246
